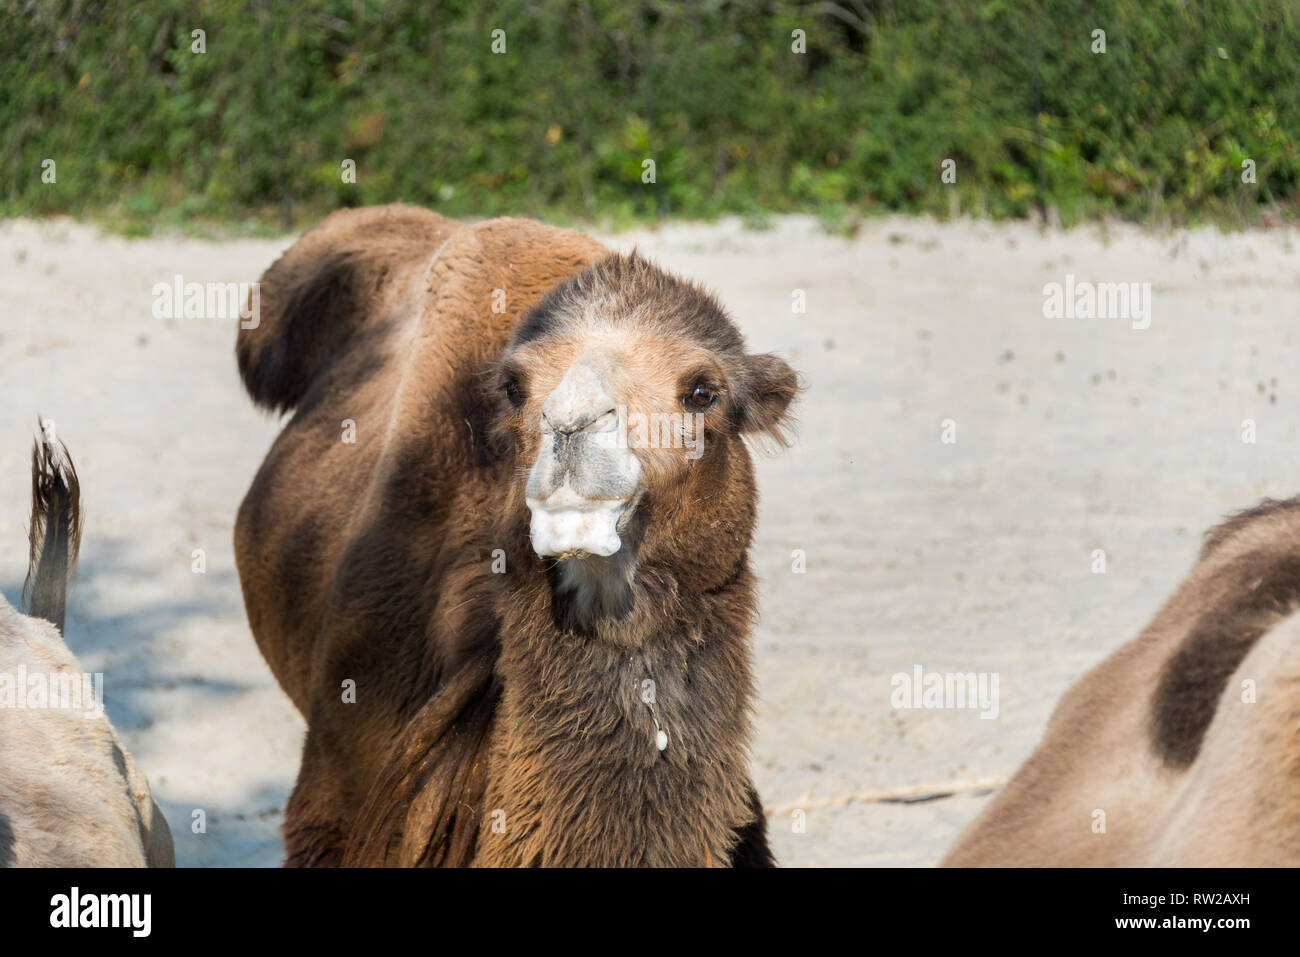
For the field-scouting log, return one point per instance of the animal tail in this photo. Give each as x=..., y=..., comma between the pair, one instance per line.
x=55, y=533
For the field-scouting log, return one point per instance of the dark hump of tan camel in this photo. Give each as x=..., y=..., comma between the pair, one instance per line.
x=1269, y=507
x=1264, y=588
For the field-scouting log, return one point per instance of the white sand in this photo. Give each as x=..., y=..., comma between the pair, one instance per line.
x=975, y=557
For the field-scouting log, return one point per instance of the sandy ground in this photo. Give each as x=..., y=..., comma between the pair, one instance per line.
x=974, y=556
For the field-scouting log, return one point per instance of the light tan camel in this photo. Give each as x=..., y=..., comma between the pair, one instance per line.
x=1183, y=747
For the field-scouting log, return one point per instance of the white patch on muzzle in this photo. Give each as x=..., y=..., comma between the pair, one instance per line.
x=566, y=523
x=583, y=482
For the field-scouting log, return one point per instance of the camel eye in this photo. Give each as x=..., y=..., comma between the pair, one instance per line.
x=513, y=392
x=700, y=398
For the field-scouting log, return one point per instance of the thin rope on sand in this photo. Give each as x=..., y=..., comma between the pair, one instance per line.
x=907, y=794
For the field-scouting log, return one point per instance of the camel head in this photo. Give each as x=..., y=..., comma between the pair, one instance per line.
x=626, y=394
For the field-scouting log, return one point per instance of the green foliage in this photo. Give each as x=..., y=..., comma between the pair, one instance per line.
x=255, y=130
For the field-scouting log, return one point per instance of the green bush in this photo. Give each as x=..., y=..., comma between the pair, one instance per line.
x=256, y=129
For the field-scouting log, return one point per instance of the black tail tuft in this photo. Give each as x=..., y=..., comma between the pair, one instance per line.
x=55, y=533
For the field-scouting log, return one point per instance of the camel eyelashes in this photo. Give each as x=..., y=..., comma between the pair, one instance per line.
x=513, y=392
x=700, y=398
x=509, y=378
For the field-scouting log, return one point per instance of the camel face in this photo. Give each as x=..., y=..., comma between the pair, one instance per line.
x=616, y=386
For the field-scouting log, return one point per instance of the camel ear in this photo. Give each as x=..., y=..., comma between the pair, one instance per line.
x=770, y=387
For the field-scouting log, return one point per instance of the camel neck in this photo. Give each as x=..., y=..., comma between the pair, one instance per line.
x=577, y=766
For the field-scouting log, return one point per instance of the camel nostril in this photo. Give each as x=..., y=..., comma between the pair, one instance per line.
x=608, y=417
x=582, y=425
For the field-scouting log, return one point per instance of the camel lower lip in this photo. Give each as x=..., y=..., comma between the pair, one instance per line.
x=589, y=528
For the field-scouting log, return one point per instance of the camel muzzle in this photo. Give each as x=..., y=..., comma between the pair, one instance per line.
x=584, y=483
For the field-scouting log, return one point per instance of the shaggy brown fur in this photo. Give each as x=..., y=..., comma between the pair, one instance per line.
x=1166, y=738
x=497, y=720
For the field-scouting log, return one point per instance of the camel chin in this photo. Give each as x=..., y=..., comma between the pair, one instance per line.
x=579, y=528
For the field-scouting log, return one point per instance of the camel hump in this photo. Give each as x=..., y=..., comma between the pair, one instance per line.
x=345, y=274
x=54, y=534
x=1254, y=555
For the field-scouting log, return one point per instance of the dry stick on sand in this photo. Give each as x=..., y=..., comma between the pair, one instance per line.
x=906, y=794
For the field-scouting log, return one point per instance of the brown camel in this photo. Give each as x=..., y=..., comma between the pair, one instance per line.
x=498, y=556
x=1183, y=747
x=70, y=794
